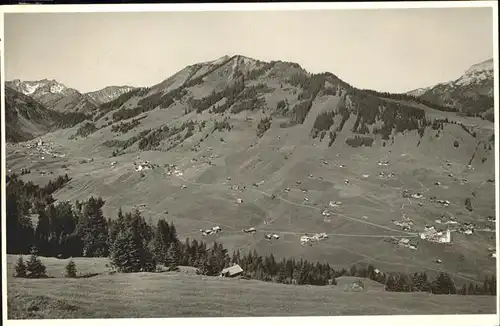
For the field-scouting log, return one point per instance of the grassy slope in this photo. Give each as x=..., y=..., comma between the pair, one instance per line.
x=209, y=200
x=369, y=207
x=185, y=295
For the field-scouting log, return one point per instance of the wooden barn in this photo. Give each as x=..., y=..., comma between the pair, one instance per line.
x=232, y=271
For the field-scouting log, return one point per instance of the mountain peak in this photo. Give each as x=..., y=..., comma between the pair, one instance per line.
x=483, y=66
x=218, y=60
x=108, y=93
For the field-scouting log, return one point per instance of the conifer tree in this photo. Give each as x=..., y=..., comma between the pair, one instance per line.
x=129, y=252
x=20, y=268
x=391, y=284
x=161, y=241
x=444, y=284
x=173, y=256
x=95, y=233
x=471, y=289
x=42, y=232
x=71, y=269
x=34, y=267
x=493, y=285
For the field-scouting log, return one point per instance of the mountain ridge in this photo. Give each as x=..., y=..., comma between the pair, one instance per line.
x=470, y=94
x=243, y=79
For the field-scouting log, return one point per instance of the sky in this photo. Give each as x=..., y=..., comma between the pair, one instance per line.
x=393, y=50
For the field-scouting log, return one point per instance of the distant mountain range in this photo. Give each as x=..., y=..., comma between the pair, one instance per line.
x=59, y=97
x=240, y=83
x=471, y=93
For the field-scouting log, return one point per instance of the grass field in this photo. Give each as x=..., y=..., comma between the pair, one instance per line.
x=183, y=294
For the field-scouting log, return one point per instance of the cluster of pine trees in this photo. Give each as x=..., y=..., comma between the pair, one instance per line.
x=150, y=103
x=248, y=104
x=263, y=126
x=120, y=100
x=153, y=139
x=86, y=129
x=222, y=125
x=287, y=270
x=231, y=93
x=411, y=98
x=34, y=267
x=125, y=127
x=124, y=144
x=254, y=74
x=133, y=244
x=300, y=111
x=323, y=121
x=69, y=119
x=311, y=86
x=358, y=141
x=23, y=199
x=333, y=137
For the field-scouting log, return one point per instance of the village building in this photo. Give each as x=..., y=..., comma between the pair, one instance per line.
x=334, y=203
x=404, y=241
x=232, y=271
x=206, y=232
x=305, y=239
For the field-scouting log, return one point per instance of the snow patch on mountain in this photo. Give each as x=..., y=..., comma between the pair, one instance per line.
x=417, y=92
x=30, y=89
x=476, y=74
x=58, y=88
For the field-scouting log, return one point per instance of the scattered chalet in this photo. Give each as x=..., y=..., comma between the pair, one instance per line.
x=232, y=271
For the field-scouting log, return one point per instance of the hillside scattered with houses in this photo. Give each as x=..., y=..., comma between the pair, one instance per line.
x=264, y=171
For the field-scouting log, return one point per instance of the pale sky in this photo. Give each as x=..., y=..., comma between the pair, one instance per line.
x=393, y=50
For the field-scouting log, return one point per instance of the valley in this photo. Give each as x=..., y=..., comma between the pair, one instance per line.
x=239, y=143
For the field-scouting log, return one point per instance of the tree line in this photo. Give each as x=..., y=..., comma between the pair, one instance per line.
x=86, y=129
x=133, y=244
x=150, y=103
x=125, y=127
